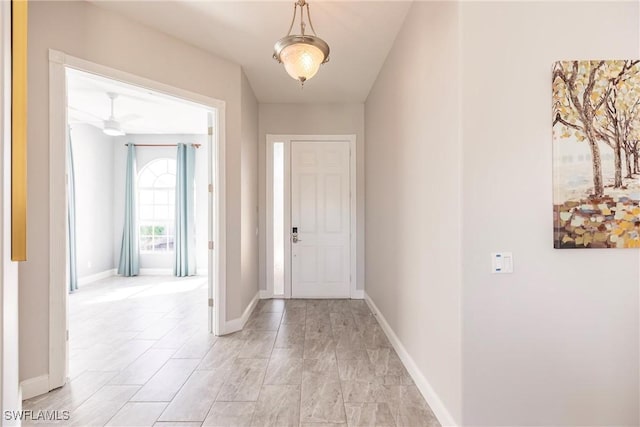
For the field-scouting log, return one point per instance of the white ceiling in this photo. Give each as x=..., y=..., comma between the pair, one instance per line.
x=139, y=110
x=359, y=33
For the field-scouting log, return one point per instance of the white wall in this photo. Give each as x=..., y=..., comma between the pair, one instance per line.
x=84, y=30
x=459, y=166
x=145, y=155
x=556, y=342
x=249, y=179
x=413, y=200
x=93, y=168
x=10, y=399
x=313, y=119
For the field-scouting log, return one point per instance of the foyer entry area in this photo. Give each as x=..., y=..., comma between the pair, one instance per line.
x=296, y=363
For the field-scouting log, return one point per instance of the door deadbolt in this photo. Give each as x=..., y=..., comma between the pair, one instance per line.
x=294, y=235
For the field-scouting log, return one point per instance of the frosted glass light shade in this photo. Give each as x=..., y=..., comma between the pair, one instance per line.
x=301, y=55
x=301, y=60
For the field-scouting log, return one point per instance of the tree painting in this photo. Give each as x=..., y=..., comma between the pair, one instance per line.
x=596, y=135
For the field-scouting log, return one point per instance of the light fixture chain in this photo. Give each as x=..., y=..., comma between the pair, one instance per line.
x=309, y=18
x=302, y=25
x=293, y=20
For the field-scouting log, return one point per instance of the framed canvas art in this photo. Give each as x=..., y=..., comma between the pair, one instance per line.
x=596, y=165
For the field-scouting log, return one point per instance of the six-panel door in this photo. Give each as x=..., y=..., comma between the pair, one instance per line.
x=320, y=210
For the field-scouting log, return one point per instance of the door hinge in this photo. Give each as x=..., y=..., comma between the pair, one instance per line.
x=210, y=245
x=210, y=302
x=210, y=188
x=67, y=335
x=210, y=130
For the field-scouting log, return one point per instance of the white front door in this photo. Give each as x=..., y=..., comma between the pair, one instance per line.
x=320, y=219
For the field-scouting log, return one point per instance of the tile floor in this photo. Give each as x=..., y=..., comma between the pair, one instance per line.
x=140, y=355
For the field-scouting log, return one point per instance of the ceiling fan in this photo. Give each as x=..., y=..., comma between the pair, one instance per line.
x=111, y=126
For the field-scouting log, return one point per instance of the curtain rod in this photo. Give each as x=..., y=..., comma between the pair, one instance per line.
x=161, y=145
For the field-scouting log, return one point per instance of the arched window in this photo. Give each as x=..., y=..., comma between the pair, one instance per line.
x=156, y=196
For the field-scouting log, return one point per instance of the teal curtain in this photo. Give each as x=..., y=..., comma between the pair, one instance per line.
x=71, y=218
x=185, y=259
x=130, y=251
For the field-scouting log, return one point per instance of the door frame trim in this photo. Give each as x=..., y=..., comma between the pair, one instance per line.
x=353, y=197
x=58, y=291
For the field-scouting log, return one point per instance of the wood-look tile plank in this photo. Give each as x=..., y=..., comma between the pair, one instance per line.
x=290, y=335
x=137, y=414
x=320, y=370
x=271, y=306
x=369, y=415
x=104, y=404
x=264, y=321
x=277, y=406
x=294, y=315
x=164, y=385
x=244, y=381
x=230, y=414
x=284, y=370
x=196, y=347
x=143, y=368
x=322, y=402
x=319, y=348
x=222, y=354
x=258, y=344
x=193, y=401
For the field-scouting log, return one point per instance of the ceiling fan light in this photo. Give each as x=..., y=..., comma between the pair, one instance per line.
x=112, y=128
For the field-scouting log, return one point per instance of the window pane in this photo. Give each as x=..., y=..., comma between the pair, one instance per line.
x=146, y=243
x=159, y=230
x=160, y=213
x=158, y=167
x=171, y=167
x=146, y=212
x=278, y=218
x=165, y=181
x=160, y=243
x=146, y=178
x=146, y=197
x=145, y=230
x=160, y=197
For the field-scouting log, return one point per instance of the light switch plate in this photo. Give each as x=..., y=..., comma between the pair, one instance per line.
x=501, y=262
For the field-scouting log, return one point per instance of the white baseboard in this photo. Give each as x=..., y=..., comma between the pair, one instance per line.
x=264, y=294
x=33, y=387
x=236, y=325
x=437, y=405
x=357, y=294
x=156, y=271
x=85, y=280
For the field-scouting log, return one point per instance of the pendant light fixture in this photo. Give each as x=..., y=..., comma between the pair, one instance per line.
x=302, y=54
